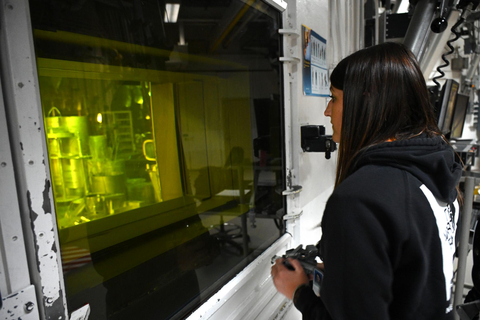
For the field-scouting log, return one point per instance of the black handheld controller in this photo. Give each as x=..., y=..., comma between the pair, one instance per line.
x=306, y=257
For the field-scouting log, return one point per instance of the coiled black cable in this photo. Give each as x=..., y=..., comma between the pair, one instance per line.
x=457, y=33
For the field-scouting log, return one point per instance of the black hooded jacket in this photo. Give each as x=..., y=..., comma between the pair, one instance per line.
x=388, y=236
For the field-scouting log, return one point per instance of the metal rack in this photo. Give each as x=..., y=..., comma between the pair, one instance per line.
x=122, y=132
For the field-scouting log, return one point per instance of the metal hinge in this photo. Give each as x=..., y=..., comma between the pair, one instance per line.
x=292, y=190
x=293, y=215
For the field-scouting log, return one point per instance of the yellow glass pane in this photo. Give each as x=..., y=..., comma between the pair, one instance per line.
x=162, y=152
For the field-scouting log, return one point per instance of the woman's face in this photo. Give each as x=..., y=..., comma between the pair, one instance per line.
x=335, y=111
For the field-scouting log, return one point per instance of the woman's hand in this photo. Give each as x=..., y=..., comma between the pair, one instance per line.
x=287, y=281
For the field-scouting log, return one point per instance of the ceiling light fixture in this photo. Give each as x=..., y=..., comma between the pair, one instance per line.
x=171, y=12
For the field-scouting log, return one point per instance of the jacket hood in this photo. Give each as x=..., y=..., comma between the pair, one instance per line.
x=431, y=160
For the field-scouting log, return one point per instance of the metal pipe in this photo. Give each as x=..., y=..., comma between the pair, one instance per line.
x=466, y=218
x=361, y=24
x=419, y=26
x=376, y=22
x=355, y=25
x=473, y=67
x=349, y=26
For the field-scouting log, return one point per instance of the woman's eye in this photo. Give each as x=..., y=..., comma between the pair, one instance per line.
x=330, y=97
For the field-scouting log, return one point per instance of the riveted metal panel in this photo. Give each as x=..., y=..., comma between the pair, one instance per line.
x=20, y=305
x=28, y=145
x=13, y=259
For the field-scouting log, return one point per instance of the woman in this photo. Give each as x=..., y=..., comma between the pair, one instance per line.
x=389, y=226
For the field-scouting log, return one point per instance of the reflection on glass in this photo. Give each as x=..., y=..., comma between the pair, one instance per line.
x=165, y=148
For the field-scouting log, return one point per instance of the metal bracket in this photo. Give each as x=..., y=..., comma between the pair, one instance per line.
x=289, y=59
x=293, y=215
x=293, y=190
x=20, y=305
x=289, y=32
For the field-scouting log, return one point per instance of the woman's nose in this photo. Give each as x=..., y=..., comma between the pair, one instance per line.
x=327, y=112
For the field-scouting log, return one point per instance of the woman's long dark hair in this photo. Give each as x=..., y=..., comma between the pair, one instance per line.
x=384, y=97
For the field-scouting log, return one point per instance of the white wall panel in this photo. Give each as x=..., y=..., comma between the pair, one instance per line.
x=315, y=172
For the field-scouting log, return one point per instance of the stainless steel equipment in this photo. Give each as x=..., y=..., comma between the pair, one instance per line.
x=68, y=147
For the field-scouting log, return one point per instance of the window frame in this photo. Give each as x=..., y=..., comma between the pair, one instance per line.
x=28, y=150
x=28, y=147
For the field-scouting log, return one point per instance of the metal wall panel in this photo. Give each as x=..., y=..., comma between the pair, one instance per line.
x=13, y=259
x=27, y=139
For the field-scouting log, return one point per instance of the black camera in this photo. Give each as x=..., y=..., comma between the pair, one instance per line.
x=313, y=139
x=306, y=257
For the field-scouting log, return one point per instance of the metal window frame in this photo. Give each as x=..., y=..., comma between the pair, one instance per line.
x=17, y=293
x=29, y=157
x=280, y=5
x=27, y=146
x=251, y=294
